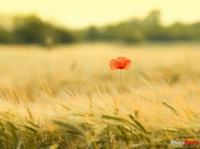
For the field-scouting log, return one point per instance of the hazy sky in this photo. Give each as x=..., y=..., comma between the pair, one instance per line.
x=79, y=13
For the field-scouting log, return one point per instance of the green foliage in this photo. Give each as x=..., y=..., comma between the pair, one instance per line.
x=92, y=33
x=31, y=29
x=116, y=132
x=5, y=35
x=148, y=29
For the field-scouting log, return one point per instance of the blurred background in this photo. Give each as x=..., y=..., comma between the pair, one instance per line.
x=69, y=43
x=53, y=22
x=54, y=64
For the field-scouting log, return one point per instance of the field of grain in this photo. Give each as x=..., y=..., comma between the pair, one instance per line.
x=67, y=97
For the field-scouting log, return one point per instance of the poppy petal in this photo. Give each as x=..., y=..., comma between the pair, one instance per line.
x=127, y=64
x=113, y=64
x=120, y=63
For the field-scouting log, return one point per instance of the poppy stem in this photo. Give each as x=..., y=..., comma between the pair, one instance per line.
x=120, y=85
x=116, y=103
x=120, y=93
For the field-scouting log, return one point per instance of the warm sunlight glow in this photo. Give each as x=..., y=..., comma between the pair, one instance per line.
x=79, y=13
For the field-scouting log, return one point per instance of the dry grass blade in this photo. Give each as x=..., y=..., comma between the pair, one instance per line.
x=170, y=107
x=70, y=128
x=140, y=126
x=45, y=97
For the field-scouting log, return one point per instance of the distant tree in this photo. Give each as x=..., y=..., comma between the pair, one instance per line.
x=32, y=29
x=29, y=29
x=92, y=33
x=5, y=36
x=55, y=35
x=196, y=30
x=153, y=19
x=63, y=35
x=153, y=29
x=180, y=31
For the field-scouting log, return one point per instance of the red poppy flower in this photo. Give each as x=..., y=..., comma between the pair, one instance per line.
x=120, y=63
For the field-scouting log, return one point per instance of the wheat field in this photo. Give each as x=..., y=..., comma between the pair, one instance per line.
x=66, y=97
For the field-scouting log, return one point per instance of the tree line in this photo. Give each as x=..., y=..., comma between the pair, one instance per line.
x=31, y=29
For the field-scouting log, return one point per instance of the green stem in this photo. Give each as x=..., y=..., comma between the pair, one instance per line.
x=120, y=86
x=120, y=93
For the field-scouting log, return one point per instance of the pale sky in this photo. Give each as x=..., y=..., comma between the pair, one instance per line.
x=81, y=13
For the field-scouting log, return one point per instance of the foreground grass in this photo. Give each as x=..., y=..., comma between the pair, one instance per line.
x=66, y=98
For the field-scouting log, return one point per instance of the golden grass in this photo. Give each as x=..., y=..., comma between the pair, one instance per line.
x=71, y=85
